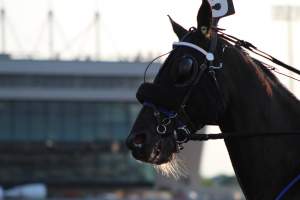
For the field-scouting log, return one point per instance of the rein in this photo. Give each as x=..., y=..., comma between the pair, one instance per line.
x=255, y=50
x=220, y=136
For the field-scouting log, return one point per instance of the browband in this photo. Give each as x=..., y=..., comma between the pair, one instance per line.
x=209, y=56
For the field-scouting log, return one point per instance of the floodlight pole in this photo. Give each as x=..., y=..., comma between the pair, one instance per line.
x=289, y=14
x=290, y=40
x=97, y=35
x=50, y=33
x=3, y=31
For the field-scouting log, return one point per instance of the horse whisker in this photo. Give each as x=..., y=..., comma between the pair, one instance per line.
x=175, y=168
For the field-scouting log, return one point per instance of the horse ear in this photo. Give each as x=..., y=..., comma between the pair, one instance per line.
x=179, y=30
x=204, y=18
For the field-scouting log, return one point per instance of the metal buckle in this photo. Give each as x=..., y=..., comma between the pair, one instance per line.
x=161, y=129
x=184, y=135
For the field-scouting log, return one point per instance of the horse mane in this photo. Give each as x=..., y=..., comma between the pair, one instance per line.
x=267, y=77
x=256, y=67
x=268, y=80
x=270, y=77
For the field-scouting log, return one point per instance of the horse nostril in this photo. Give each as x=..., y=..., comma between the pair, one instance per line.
x=139, y=140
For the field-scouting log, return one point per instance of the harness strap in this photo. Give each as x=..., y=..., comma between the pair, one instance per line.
x=218, y=136
x=213, y=45
x=288, y=187
x=255, y=50
x=166, y=112
x=209, y=58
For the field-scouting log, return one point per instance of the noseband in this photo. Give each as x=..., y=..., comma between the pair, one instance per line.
x=166, y=119
x=179, y=124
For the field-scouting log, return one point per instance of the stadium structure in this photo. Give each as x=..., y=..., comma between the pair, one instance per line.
x=64, y=123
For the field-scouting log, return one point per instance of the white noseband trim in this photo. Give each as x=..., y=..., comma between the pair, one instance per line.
x=209, y=56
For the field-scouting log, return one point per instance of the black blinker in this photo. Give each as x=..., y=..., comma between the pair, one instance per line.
x=185, y=70
x=185, y=66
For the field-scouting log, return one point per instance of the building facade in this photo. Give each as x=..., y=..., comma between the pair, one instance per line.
x=65, y=122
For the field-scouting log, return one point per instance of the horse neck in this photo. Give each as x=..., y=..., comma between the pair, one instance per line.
x=252, y=106
x=255, y=102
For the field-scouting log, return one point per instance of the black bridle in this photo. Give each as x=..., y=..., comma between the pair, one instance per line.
x=183, y=128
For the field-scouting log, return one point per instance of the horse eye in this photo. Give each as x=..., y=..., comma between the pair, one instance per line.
x=184, y=70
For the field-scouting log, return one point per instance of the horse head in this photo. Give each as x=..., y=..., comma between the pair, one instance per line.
x=183, y=98
x=206, y=80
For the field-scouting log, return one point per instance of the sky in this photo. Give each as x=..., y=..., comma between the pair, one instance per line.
x=132, y=27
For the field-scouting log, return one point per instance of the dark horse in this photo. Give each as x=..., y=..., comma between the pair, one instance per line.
x=227, y=88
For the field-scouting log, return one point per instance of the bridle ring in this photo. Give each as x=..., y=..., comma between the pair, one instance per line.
x=185, y=134
x=161, y=129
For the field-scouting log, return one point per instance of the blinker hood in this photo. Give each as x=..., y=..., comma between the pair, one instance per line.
x=168, y=97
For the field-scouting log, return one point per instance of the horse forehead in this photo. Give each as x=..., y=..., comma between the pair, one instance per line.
x=198, y=39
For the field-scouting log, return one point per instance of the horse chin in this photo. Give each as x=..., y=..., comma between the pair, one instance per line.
x=174, y=167
x=165, y=160
x=164, y=157
x=162, y=152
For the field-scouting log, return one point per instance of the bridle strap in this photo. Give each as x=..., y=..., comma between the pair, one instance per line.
x=247, y=45
x=220, y=136
x=187, y=127
x=203, y=67
x=183, y=105
x=208, y=55
x=213, y=45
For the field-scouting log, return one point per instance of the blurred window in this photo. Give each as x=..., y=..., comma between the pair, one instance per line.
x=32, y=122
x=5, y=120
x=65, y=121
x=52, y=81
